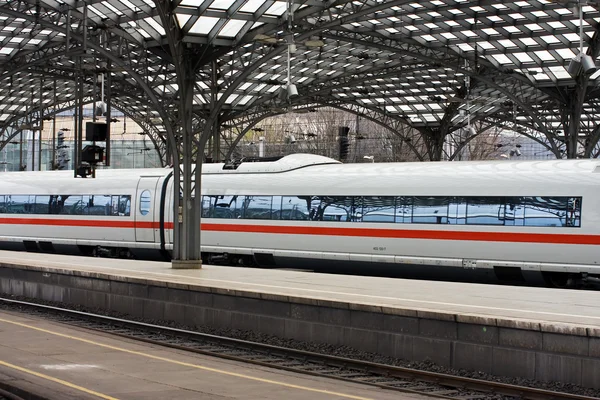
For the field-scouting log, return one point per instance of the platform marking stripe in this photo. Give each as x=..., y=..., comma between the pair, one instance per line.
x=56, y=380
x=185, y=364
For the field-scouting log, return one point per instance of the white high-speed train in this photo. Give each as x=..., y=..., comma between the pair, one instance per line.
x=532, y=221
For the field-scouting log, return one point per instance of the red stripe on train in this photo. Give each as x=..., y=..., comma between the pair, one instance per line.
x=329, y=231
x=410, y=234
x=79, y=222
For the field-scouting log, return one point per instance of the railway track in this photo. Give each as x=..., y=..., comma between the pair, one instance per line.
x=407, y=380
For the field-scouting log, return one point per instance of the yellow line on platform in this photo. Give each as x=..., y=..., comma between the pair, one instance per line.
x=60, y=381
x=185, y=364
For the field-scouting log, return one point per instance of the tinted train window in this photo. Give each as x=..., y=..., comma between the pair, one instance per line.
x=574, y=212
x=2, y=205
x=224, y=207
x=485, y=211
x=545, y=211
x=276, y=207
x=457, y=211
x=42, y=205
x=295, y=207
x=404, y=210
x=430, y=210
x=17, y=204
x=207, y=206
x=145, y=203
x=257, y=207
x=378, y=209
x=335, y=208
x=71, y=204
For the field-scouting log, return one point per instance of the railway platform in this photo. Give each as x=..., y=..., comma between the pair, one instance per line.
x=535, y=333
x=56, y=361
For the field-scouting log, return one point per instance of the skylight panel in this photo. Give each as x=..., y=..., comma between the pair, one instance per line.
x=112, y=8
x=6, y=50
x=566, y=54
x=183, y=19
x=129, y=5
x=490, y=31
x=556, y=24
x=97, y=12
x=533, y=27
x=560, y=72
x=502, y=59
x=154, y=24
x=448, y=35
x=544, y=55
x=523, y=57
x=465, y=47
x=550, y=39
x=204, y=25
x=221, y=4
x=251, y=6
x=571, y=37
x=278, y=8
x=507, y=44
x=232, y=28
x=528, y=41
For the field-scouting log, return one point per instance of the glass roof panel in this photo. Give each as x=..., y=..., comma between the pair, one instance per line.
x=204, y=25
x=251, y=6
x=232, y=28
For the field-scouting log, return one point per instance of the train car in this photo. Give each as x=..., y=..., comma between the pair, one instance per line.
x=530, y=221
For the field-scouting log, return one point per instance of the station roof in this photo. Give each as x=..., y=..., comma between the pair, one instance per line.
x=421, y=64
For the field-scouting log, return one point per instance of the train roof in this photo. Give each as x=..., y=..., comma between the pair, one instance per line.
x=316, y=164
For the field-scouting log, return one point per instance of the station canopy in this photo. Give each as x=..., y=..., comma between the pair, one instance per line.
x=418, y=67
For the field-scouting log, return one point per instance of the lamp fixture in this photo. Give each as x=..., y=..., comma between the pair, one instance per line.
x=581, y=63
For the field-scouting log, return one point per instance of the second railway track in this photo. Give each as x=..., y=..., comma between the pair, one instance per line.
x=402, y=379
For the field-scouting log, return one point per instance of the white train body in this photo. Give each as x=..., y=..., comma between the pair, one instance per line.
x=517, y=220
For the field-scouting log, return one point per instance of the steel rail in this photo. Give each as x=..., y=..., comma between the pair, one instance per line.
x=364, y=372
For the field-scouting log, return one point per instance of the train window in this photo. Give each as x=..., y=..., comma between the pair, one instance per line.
x=257, y=207
x=430, y=210
x=207, y=206
x=457, y=211
x=99, y=205
x=338, y=208
x=295, y=207
x=70, y=204
x=404, y=210
x=224, y=206
x=42, y=205
x=2, y=205
x=378, y=209
x=124, y=205
x=485, y=210
x=514, y=212
x=18, y=204
x=276, y=207
x=574, y=212
x=545, y=211
x=145, y=202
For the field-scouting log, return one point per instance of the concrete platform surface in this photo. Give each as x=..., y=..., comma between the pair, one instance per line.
x=581, y=308
x=73, y=363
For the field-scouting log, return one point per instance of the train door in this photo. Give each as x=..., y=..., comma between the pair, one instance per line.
x=146, y=225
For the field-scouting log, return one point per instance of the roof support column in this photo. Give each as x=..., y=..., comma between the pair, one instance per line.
x=187, y=178
x=187, y=154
